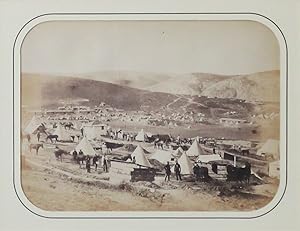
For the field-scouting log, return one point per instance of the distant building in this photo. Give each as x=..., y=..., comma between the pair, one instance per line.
x=232, y=121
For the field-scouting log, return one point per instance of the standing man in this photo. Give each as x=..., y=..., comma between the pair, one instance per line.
x=177, y=169
x=96, y=161
x=75, y=154
x=196, y=170
x=38, y=136
x=104, y=163
x=167, y=171
x=88, y=164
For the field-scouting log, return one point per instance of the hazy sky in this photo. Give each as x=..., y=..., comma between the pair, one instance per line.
x=219, y=47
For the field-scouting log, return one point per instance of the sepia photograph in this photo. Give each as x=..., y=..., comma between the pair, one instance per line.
x=150, y=115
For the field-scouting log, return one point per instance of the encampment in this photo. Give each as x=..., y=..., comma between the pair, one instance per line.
x=185, y=164
x=141, y=136
x=208, y=158
x=162, y=156
x=86, y=147
x=62, y=134
x=140, y=157
x=270, y=147
x=195, y=150
x=32, y=126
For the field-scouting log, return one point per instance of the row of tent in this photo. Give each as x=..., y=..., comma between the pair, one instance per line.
x=140, y=156
x=270, y=147
x=91, y=131
x=183, y=158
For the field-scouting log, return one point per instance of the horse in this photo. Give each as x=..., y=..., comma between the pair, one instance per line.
x=50, y=137
x=158, y=143
x=239, y=174
x=95, y=161
x=80, y=159
x=36, y=147
x=58, y=154
x=69, y=125
x=160, y=140
x=123, y=158
x=110, y=145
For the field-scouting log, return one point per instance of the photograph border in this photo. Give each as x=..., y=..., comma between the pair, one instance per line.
x=151, y=217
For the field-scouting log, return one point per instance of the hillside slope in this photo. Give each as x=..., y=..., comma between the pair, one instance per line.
x=48, y=91
x=263, y=86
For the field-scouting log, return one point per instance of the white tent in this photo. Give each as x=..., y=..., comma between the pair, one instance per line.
x=94, y=131
x=62, y=133
x=208, y=158
x=141, y=135
x=91, y=132
x=195, y=150
x=77, y=125
x=197, y=138
x=140, y=157
x=271, y=147
x=162, y=156
x=185, y=164
x=32, y=125
x=178, y=152
x=86, y=147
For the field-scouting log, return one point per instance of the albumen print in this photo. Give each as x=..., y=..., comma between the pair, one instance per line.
x=150, y=115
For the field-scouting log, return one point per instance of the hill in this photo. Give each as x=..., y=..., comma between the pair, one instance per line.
x=134, y=79
x=258, y=86
x=187, y=84
x=48, y=91
x=263, y=86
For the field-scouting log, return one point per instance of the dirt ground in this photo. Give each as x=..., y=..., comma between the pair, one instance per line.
x=62, y=186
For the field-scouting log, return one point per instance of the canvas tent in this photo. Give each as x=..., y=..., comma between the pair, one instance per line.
x=32, y=125
x=178, y=152
x=77, y=125
x=162, y=156
x=208, y=158
x=86, y=147
x=195, y=150
x=93, y=131
x=185, y=164
x=62, y=133
x=141, y=136
x=271, y=147
x=140, y=157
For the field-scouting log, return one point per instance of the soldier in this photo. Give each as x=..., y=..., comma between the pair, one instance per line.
x=104, y=163
x=74, y=155
x=196, y=170
x=38, y=136
x=177, y=170
x=167, y=171
x=88, y=164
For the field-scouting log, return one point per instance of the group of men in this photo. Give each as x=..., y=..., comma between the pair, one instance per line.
x=95, y=160
x=177, y=169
